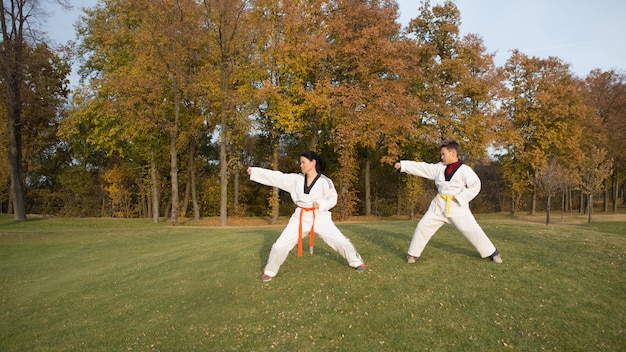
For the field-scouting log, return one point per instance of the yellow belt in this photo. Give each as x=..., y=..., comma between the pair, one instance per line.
x=448, y=198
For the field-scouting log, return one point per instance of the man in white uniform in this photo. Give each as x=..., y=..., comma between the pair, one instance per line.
x=315, y=195
x=457, y=184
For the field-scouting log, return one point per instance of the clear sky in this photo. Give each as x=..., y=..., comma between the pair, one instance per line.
x=584, y=34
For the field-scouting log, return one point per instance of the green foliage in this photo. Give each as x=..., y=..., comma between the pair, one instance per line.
x=94, y=284
x=41, y=92
x=77, y=194
x=209, y=196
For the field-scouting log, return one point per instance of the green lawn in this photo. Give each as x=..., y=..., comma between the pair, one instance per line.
x=130, y=285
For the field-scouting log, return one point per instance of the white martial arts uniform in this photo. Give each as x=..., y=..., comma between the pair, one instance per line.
x=464, y=185
x=323, y=192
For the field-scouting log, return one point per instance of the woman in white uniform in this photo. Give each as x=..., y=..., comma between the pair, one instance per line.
x=315, y=195
x=457, y=184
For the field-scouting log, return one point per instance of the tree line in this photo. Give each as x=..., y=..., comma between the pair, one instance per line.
x=178, y=97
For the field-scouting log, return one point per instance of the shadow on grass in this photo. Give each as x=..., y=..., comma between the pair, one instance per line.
x=321, y=249
x=453, y=249
x=389, y=241
x=397, y=243
x=7, y=220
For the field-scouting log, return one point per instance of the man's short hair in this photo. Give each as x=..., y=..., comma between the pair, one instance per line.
x=450, y=144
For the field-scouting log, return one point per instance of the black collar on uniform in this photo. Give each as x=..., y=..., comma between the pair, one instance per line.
x=308, y=189
x=453, y=168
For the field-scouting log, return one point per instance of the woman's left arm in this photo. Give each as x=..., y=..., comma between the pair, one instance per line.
x=330, y=194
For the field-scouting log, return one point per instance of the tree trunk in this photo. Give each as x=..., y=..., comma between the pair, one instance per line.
x=236, y=190
x=174, y=162
x=192, y=180
x=187, y=194
x=10, y=204
x=581, y=205
x=368, y=187
x=13, y=77
x=605, y=194
x=103, y=207
x=563, y=203
x=155, y=187
x=223, y=181
x=224, y=74
x=143, y=201
x=569, y=205
x=615, y=189
x=533, y=200
x=548, y=208
x=515, y=198
x=190, y=186
x=589, y=207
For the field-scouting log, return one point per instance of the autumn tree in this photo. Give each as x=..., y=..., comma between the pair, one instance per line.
x=14, y=16
x=544, y=111
x=455, y=83
x=231, y=39
x=291, y=48
x=459, y=85
x=367, y=90
x=118, y=110
x=19, y=36
x=143, y=55
x=173, y=32
x=43, y=94
x=605, y=95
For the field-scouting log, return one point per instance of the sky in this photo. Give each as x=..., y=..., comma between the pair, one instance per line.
x=584, y=34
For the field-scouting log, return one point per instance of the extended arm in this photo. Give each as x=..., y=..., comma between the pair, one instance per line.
x=273, y=178
x=419, y=168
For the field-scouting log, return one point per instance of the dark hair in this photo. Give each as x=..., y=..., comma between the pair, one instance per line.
x=320, y=164
x=450, y=144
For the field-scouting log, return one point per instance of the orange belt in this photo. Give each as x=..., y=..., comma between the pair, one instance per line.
x=311, y=238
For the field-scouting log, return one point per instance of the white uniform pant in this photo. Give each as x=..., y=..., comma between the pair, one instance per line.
x=466, y=224
x=324, y=229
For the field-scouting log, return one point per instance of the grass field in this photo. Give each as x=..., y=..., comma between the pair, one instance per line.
x=130, y=285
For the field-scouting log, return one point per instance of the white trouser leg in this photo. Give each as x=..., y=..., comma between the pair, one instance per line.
x=468, y=226
x=336, y=240
x=426, y=228
x=285, y=243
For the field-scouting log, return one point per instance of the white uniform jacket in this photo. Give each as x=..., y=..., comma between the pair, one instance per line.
x=323, y=191
x=464, y=185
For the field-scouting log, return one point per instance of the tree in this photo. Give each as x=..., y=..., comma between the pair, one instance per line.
x=605, y=94
x=144, y=55
x=232, y=40
x=173, y=31
x=18, y=19
x=594, y=167
x=545, y=112
x=43, y=92
x=366, y=83
x=289, y=47
x=459, y=85
x=12, y=51
x=550, y=178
